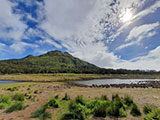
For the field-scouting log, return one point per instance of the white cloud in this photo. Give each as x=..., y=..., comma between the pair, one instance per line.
x=20, y=47
x=81, y=25
x=8, y=20
x=142, y=30
x=137, y=34
x=147, y=11
x=50, y=42
x=148, y=62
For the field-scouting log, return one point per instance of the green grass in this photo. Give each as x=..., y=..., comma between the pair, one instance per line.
x=153, y=115
x=42, y=114
x=52, y=103
x=60, y=77
x=17, y=106
x=18, y=97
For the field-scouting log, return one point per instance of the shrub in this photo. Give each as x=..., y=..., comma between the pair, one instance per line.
x=115, y=106
x=128, y=101
x=104, y=97
x=147, y=109
x=41, y=113
x=4, y=101
x=154, y=115
x=100, y=109
x=81, y=100
x=36, y=92
x=68, y=116
x=5, y=98
x=18, y=97
x=135, y=111
x=52, y=103
x=66, y=97
x=122, y=112
x=80, y=111
x=13, y=89
x=3, y=105
x=56, y=97
x=16, y=107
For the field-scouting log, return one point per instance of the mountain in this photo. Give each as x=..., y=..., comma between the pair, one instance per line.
x=51, y=62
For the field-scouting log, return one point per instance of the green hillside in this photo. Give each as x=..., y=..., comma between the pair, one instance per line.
x=51, y=62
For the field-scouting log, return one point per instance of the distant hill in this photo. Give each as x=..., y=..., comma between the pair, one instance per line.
x=51, y=62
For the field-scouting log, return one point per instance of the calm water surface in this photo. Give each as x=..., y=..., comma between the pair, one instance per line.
x=112, y=81
x=7, y=81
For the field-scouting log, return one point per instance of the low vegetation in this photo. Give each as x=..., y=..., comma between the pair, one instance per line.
x=81, y=108
x=12, y=102
x=154, y=114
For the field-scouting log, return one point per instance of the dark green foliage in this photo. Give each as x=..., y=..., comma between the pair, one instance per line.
x=16, y=107
x=80, y=108
x=13, y=89
x=104, y=97
x=36, y=92
x=56, y=97
x=147, y=109
x=81, y=100
x=51, y=62
x=128, y=101
x=18, y=97
x=52, y=103
x=116, y=105
x=122, y=112
x=5, y=100
x=69, y=116
x=100, y=109
x=154, y=115
x=66, y=97
x=41, y=113
x=135, y=111
x=80, y=111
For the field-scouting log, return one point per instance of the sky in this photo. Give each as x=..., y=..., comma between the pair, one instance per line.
x=108, y=33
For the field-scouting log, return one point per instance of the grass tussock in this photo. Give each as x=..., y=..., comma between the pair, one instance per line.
x=81, y=108
x=153, y=115
x=17, y=106
x=42, y=114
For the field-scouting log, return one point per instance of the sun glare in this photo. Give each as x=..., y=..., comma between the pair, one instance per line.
x=127, y=16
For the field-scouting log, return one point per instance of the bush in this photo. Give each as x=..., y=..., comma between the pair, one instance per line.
x=115, y=106
x=147, y=109
x=56, y=97
x=128, y=101
x=80, y=111
x=16, y=107
x=154, y=115
x=41, y=113
x=104, y=97
x=66, y=97
x=68, y=116
x=135, y=111
x=100, y=109
x=81, y=100
x=122, y=112
x=18, y=97
x=3, y=105
x=52, y=103
x=5, y=98
x=13, y=89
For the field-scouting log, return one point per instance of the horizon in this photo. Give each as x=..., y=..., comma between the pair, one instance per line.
x=110, y=34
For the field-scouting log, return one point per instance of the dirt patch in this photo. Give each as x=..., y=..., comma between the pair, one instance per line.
x=141, y=96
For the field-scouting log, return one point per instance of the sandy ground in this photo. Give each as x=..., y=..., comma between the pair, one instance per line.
x=140, y=96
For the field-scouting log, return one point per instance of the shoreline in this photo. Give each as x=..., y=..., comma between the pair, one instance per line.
x=64, y=77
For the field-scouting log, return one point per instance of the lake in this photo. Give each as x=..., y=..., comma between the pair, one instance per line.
x=8, y=81
x=112, y=81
